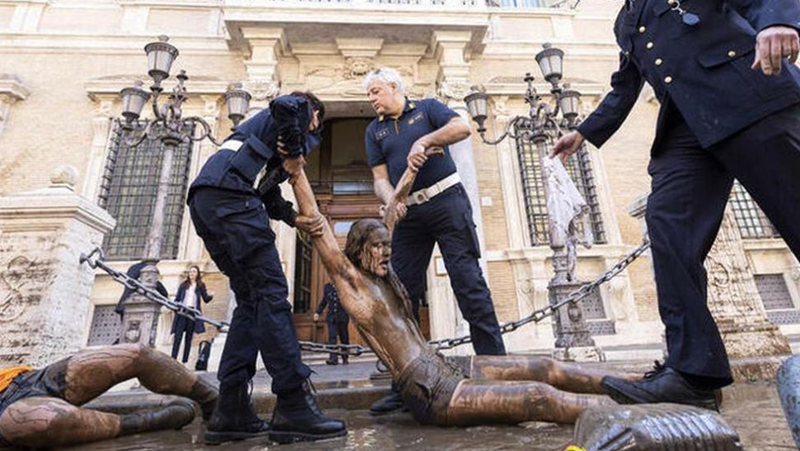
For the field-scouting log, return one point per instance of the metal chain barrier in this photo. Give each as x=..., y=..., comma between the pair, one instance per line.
x=356, y=350
x=137, y=287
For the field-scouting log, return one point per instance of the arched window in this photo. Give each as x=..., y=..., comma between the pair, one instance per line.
x=128, y=192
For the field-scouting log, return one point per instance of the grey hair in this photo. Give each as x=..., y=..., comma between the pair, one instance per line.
x=384, y=75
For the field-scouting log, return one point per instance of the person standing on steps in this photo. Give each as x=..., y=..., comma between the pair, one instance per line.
x=336, y=319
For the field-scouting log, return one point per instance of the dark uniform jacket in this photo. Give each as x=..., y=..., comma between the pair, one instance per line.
x=288, y=116
x=703, y=69
x=200, y=292
x=330, y=299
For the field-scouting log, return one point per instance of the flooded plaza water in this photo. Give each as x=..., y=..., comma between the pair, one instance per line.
x=753, y=409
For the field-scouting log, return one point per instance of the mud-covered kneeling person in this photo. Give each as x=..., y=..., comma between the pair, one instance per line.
x=41, y=408
x=486, y=389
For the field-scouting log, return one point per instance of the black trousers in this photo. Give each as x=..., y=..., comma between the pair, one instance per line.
x=182, y=327
x=338, y=328
x=446, y=220
x=690, y=190
x=235, y=230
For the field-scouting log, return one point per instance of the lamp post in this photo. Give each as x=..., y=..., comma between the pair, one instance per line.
x=168, y=126
x=541, y=126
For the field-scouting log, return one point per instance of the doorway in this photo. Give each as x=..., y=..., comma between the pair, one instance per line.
x=342, y=183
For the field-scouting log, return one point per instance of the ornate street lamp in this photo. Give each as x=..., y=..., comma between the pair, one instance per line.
x=170, y=128
x=544, y=124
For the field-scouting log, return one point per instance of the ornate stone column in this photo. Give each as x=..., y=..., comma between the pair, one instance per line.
x=453, y=80
x=101, y=125
x=266, y=46
x=44, y=290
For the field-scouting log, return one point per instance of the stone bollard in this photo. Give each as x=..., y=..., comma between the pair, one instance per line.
x=44, y=290
x=789, y=391
x=654, y=427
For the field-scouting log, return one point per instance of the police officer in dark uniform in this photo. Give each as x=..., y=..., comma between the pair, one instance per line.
x=438, y=210
x=232, y=218
x=337, y=321
x=730, y=108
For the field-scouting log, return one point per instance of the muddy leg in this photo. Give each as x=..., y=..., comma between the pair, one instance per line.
x=91, y=373
x=50, y=422
x=483, y=402
x=569, y=377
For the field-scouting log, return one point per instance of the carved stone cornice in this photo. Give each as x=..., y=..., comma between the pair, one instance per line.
x=12, y=89
x=197, y=85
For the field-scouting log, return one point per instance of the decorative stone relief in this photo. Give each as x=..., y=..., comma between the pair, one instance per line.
x=357, y=68
x=44, y=290
x=454, y=90
x=734, y=301
x=262, y=90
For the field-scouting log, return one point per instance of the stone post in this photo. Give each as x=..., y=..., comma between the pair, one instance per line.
x=44, y=290
x=736, y=305
x=754, y=345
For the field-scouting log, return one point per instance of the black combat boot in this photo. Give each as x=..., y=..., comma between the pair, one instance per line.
x=234, y=417
x=297, y=418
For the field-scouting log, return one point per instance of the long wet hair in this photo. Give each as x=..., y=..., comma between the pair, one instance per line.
x=199, y=281
x=357, y=239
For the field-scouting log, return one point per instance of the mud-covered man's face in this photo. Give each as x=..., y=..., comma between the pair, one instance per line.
x=377, y=252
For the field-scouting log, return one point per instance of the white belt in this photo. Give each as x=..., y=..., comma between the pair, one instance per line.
x=426, y=194
x=231, y=144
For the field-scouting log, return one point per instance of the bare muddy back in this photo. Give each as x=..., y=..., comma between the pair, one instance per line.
x=655, y=427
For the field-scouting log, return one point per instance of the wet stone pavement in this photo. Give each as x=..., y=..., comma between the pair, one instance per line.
x=753, y=409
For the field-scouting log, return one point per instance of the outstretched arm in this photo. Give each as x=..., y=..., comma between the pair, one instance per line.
x=403, y=189
x=332, y=257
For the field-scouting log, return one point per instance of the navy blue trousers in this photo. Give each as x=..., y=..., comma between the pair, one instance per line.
x=235, y=229
x=340, y=329
x=690, y=190
x=447, y=220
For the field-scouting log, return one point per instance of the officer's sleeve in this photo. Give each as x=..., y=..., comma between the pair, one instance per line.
x=162, y=290
x=626, y=84
x=767, y=13
x=324, y=302
x=439, y=114
x=278, y=207
x=375, y=155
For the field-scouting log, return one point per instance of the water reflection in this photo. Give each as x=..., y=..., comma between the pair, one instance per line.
x=753, y=409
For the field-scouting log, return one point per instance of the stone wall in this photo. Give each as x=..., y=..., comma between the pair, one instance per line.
x=44, y=290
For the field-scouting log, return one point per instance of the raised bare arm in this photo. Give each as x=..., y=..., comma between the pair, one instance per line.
x=403, y=189
x=332, y=257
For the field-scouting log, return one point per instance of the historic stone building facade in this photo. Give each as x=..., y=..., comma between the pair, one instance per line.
x=63, y=63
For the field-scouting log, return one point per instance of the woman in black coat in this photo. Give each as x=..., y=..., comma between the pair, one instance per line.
x=190, y=292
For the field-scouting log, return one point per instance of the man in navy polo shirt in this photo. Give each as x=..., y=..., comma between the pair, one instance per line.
x=438, y=210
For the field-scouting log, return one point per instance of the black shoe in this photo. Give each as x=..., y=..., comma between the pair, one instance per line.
x=661, y=385
x=234, y=417
x=344, y=360
x=391, y=403
x=331, y=362
x=297, y=418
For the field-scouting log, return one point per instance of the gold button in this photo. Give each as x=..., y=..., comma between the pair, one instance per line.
x=668, y=80
x=642, y=29
x=659, y=61
x=732, y=54
x=650, y=45
x=672, y=2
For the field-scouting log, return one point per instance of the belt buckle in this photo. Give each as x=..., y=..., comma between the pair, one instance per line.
x=421, y=197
